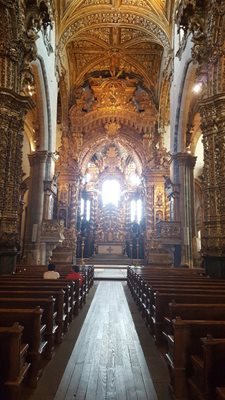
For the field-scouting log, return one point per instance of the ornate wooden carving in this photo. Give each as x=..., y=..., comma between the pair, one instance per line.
x=213, y=120
x=12, y=110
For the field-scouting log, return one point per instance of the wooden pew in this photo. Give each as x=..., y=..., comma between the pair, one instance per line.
x=161, y=306
x=140, y=281
x=38, y=270
x=73, y=299
x=41, y=287
x=13, y=365
x=48, y=318
x=207, y=369
x=220, y=392
x=185, y=342
x=33, y=334
x=146, y=297
x=59, y=304
x=171, y=274
x=194, y=311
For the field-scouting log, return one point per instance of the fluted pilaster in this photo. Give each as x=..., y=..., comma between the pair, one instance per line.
x=185, y=165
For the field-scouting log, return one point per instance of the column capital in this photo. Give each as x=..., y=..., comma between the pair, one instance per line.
x=185, y=159
x=38, y=157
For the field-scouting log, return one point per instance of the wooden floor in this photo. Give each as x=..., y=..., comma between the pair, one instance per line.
x=107, y=361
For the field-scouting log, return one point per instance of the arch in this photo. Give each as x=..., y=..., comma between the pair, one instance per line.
x=184, y=102
x=97, y=143
x=42, y=104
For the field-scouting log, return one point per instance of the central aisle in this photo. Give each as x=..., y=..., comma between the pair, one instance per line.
x=107, y=361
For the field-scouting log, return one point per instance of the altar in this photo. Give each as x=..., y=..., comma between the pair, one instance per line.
x=110, y=248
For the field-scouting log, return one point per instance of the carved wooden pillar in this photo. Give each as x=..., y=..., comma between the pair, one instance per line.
x=13, y=107
x=149, y=216
x=68, y=192
x=213, y=235
x=185, y=163
x=12, y=111
x=212, y=110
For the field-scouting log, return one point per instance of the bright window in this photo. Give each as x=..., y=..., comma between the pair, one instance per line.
x=139, y=210
x=111, y=192
x=132, y=210
x=136, y=210
x=88, y=210
x=82, y=207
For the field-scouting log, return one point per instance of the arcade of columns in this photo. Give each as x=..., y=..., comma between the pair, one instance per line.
x=119, y=109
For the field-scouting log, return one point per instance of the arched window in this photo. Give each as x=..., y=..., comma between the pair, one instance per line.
x=136, y=210
x=85, y=209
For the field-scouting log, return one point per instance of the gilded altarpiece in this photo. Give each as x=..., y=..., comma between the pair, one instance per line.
x=113, y=135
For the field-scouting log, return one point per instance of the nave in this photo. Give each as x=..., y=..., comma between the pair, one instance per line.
x=112, y=356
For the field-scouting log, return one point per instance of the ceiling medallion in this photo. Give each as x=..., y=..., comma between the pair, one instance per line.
x=112, y=129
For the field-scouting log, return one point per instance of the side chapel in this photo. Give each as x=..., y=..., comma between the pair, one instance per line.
x=112, y=121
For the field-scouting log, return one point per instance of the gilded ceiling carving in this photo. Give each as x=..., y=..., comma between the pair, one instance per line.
x=112, y=129
x=139, y=3
x=100, y=33
x=119, y=19
x=91, y=2
x=139, y=57
x=128, y=34
x=124, y=37
x=115, y=99
x=115, y=58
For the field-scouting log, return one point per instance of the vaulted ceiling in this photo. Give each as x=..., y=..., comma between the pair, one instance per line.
x=114, y=60
x=129, y=37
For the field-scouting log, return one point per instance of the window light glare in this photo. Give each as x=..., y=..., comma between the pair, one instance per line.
x=88, y=210
x=82, y=207
x=111, y=192
x=197, y=87
x=139, y=210
x=132, y=210
x=88, y=177
x=134, y=179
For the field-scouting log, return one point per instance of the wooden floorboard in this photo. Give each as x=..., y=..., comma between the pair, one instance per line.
x=107, y=362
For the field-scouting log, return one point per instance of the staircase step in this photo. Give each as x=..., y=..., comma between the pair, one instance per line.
x=112, y=259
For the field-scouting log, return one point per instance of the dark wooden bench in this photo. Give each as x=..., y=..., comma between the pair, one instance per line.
x=27, y=279
x=165, y=274
x=33, y=334
x=59, y=304
x=207, y=369
x=13, y=364
x=140, y=282
x=146, y=297
x=38, y=270
x=48, y=318
x=186, y=342
x=161, y=306
x=194, y=311
x=220, y=392
x=36, y=286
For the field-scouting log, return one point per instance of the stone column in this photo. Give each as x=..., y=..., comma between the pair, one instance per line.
x=35, y=206
x=13, y=108
x=184, y=165
x=213, y=234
